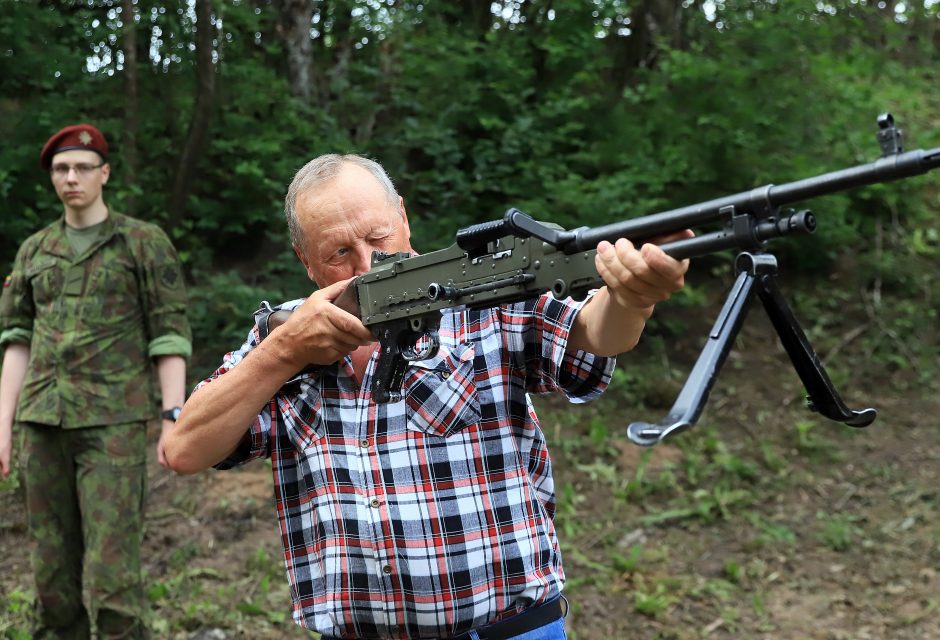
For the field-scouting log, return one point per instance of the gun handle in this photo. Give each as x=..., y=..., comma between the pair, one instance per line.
x=391, y=366
x=348, y=300
x=268, y=319
x=397, y=343
x=278, y=318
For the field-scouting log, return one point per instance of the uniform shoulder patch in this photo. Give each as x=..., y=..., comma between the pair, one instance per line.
x=169, y=276
x=8, y=280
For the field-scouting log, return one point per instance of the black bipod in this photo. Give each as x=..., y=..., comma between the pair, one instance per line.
x=757, y=273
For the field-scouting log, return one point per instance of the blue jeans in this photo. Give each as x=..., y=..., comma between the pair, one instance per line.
x=551, y=631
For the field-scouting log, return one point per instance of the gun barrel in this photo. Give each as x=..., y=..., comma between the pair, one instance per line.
x=761, y=199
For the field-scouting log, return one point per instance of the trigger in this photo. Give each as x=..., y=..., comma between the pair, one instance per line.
x=424, y=346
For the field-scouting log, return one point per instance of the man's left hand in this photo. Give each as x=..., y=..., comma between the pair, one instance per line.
x=613, y=320
x=640, y=278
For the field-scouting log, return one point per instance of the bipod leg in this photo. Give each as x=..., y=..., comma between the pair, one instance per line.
x=691, y=400
x=822, y=395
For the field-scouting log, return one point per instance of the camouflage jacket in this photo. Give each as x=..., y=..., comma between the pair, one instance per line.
x=93, y=321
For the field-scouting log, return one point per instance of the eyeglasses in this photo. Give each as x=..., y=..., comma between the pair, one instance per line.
x=61, y=171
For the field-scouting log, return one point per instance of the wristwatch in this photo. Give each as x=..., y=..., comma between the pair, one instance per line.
x=171, y=414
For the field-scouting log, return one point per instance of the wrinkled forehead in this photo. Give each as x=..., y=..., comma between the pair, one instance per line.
x=352, y=190
x=76, y=156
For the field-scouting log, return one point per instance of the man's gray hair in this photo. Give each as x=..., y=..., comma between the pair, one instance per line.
x=318, y=172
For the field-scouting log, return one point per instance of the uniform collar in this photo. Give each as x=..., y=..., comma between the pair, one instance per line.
x=56, y=243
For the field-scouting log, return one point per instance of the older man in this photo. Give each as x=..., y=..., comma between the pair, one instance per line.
x=399, y=521
x=95, y=300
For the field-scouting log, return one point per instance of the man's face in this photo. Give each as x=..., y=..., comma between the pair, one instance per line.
x=344, y=222
x=78, y=177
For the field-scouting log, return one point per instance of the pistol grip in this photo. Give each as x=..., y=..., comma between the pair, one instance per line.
x=397, y=343
x=390, y=369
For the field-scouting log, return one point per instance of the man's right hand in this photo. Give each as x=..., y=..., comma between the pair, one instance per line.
x=319, y=332
x=6, y=449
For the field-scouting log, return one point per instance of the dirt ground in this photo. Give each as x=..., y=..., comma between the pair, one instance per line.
x=763, y=522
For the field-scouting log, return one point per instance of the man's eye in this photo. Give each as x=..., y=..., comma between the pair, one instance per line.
x=341, y=253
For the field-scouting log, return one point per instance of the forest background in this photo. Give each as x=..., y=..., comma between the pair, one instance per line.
x=581, y=112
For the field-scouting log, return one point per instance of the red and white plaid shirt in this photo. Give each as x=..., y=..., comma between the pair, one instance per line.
x=430, y=516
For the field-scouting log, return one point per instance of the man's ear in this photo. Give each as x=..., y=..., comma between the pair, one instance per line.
x=404, y=217
x=105, y=173
x=303, y=259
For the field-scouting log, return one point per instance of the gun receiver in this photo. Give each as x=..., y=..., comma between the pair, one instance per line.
x=517, y=258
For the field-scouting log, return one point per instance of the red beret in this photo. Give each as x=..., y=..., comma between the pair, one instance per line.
x=76, y=136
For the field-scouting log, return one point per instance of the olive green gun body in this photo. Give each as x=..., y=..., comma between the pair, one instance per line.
x=401, y=298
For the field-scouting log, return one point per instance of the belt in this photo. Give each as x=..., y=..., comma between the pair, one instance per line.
x=531, y=618
x=527, y=620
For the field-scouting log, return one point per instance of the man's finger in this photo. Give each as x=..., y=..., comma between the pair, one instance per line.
x=332, y=291
x=685, y=234
x=351, y=326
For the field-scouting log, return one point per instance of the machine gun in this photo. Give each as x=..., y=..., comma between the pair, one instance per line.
x=518, y=258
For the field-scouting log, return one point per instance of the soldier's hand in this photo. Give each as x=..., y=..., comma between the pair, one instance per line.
x=319, y=332
x=6, y=450
x=161, y=444
x=640, y=278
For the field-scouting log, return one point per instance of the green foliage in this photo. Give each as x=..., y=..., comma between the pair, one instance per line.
x=811, y=443
x=537, y=112
x=10, y=483
x=656, y=601
x=769, y=532
x=15, y=615
x=839, y=531
x=629, y=563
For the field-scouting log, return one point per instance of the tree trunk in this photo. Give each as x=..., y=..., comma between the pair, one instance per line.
x=474, y=14
x=295, y=19
x=653, y=24
x=131, y=105
x=202, y=114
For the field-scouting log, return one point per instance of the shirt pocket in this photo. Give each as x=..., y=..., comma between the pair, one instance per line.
x=440, y=392
x=113, y=290
x=302, y=408
x=45, y=281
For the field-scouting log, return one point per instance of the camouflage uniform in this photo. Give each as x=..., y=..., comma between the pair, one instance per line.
x=93, y=322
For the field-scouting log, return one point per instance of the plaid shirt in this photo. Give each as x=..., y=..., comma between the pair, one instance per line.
x=430, y=516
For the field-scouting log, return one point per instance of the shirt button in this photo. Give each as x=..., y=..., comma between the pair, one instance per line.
x=364, y=443
x=375, y=502
x=445, y=375
x=386, y=569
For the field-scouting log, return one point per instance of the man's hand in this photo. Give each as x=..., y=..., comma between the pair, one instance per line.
x=12, y=375
x=613, y=320
x=640, y=278
x=165, y=426
x=319, y=332
x=6, y=449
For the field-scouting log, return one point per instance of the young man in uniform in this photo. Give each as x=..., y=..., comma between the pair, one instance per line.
x=95, y=301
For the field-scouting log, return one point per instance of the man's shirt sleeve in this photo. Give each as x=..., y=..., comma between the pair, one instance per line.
x=16, y=303
x=541, y=327
x=164, y=295
x=256, y=443
x=170, y=345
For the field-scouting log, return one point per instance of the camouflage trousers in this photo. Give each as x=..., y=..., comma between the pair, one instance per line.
x=84, y=496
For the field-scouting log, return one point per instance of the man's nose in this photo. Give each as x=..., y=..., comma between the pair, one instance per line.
x=363, y=260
